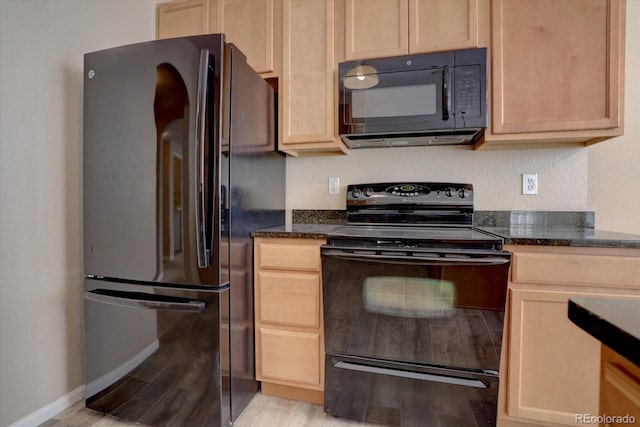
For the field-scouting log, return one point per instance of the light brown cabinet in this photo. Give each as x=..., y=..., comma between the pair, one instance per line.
x=253, y=26
x=619, y=388
x=308, y=90
x=378, y=28
x=556, y=67
x=182, y=18
x=288, y=318
x=552, y=366
x=557, y=72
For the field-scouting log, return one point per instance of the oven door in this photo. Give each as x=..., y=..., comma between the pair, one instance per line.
x=416, y=306
x=412, y=337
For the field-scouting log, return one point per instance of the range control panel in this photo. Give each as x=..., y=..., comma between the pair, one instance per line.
x=417, y=193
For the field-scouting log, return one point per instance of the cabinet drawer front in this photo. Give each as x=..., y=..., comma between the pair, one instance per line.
x=290, y=299
x=289, y=356
x=289, y=256
x=575, y=269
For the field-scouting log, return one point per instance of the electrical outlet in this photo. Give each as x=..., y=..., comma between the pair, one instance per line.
x=334, y=185
x=530, y=183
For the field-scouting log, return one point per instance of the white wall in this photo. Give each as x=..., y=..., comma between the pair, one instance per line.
x=41, y=60
x=496, y=175
x=41, y=47
x=614, y=166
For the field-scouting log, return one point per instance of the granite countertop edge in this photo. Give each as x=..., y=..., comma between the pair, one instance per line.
x=535, y=228
x=608, y=320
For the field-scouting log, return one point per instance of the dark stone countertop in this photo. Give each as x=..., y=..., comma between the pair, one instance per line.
x=615, y=322
x=564, y=236
x=298, y=231
x=515, y=227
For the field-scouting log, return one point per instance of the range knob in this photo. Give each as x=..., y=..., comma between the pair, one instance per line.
x=368, y=192
x=355, y=193
x=463, y=193
x=449, y=192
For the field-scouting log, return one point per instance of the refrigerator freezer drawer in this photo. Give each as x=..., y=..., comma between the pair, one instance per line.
x=153, y=355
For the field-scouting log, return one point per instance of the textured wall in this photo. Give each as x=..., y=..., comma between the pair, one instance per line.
x=496, y=175
x=41, y=58
x=614, y=167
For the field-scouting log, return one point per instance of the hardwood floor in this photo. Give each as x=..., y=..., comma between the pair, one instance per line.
x=262, y=411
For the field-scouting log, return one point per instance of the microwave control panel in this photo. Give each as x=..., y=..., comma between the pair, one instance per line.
x=468, y=97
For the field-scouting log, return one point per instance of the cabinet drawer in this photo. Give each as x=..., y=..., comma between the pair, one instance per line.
x=289, y=356
x=289, y=256
x=290, y=299
x=575, y=269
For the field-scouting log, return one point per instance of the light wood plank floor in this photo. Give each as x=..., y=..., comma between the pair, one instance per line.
x=262, y=411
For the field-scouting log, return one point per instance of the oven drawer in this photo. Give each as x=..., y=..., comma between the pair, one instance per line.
x=378, y=391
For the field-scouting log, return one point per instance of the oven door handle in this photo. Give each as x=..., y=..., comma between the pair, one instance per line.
x=413, y=259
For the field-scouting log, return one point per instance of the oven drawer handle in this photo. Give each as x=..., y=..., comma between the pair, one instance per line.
x=411, y=375
x=489, y=260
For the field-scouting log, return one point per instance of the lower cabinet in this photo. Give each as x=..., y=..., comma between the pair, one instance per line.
x=288, y=316
x=619, y=389
x=551, y=366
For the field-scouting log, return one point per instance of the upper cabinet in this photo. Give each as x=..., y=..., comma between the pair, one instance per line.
x=377, y=28
x=308, y=89
x=556, y=67
x=182, y=18
x=254, y=26
x=557, y=71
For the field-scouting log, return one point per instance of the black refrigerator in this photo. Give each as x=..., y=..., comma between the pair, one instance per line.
x=179, y=165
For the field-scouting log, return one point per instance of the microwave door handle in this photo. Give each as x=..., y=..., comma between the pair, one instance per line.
x=446, y=93
x=204, y=254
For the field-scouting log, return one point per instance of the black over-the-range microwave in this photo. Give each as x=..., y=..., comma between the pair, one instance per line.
x=424, y=99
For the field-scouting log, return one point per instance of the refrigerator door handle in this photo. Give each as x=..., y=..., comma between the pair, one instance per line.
x=204, y=251
x=146, y=301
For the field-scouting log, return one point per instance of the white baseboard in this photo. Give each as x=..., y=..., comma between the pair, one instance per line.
x=48, y=411
x=111, y=377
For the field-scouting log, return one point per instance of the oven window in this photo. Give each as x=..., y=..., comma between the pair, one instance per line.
x=411, y=297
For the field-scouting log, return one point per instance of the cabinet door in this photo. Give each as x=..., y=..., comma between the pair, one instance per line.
x=182, y=18
x=436, y=25
x=253, y=26
x=308, y=77
x=553, y=364
x=375, y=28
x=557, y=65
